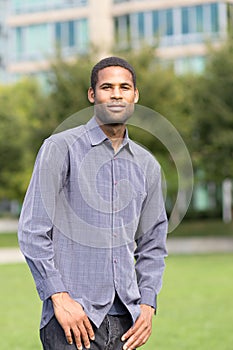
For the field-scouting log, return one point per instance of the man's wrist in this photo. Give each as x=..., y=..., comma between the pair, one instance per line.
x=150, y=307
x=56, y=297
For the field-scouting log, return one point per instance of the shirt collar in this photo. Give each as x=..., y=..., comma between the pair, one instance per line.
x=97, y=136
x=95, y=133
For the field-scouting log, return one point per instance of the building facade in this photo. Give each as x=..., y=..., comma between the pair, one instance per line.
x=4, y=35
x=179, y=29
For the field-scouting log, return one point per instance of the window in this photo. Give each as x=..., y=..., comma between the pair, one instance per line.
x=37, y=39
x=169, y=22
x=18, y=42
x=82, y=38
x=185, y=20
x=69, y=34
x=199, y=18
x=25, y=6
x=186, y=65
x=141, y=25
x=155, y=22
x=122, y=30
x=58, y=36
x=214, y=17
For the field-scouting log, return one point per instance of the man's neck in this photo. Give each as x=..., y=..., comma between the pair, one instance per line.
x=115, y=133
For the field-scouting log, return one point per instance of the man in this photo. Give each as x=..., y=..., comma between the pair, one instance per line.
x=94, y=207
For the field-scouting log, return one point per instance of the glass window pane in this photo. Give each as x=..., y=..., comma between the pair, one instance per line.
x=116, y=29
x=214, y=18
x=141, y=24
x=37, y=39
x=185, y=20
x=169, y=20
x=58, y=33
x=71, y=34
x=199, y=18
x=155, y=22
x=82, y=35
x=19, y=41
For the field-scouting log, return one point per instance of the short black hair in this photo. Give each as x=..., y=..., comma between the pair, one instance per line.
x=112, y=61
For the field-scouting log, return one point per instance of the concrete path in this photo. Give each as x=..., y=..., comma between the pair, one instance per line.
x=202, y=245
x=176, y=245
x=8, y=225
x=10, y=256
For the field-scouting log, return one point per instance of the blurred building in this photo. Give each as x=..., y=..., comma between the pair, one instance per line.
x=179, y=28
x=3, y=39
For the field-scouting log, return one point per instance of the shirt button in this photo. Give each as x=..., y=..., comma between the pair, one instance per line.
x=115, y=261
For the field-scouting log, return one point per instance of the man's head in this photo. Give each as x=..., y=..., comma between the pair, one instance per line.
x=113, y=90
x=111, y=62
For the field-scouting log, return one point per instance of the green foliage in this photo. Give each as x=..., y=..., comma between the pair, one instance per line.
x=16, y=119
x=213, y=114
x=69, y=82
x=199, y=106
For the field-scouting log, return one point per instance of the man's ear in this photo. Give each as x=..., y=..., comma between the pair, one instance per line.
x=91, y=95
x=136, y=96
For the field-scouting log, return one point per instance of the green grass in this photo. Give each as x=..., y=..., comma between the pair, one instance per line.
x=195, y=306
x=20, y=309
x=203, y=228
x=8, y=240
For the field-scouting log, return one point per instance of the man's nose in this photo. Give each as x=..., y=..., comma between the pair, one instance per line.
x=116, y=93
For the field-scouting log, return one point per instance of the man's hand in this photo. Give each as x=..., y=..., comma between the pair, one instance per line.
x=141, y=330
x=73, y=320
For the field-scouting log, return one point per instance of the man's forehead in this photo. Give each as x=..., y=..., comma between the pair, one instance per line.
x=115, y=73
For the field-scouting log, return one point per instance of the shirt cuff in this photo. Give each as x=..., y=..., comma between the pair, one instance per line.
x=149, y=298
x=50, y=286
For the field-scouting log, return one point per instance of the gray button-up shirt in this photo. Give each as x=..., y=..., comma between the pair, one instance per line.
x=93, y=222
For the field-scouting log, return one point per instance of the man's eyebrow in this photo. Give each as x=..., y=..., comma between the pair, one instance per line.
x=126, y=84
x=106, y=83
x=121, y=84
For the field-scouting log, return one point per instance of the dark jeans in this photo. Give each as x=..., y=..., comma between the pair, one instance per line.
x=107, y=336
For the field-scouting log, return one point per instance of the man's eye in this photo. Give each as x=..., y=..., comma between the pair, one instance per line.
x=106, y=87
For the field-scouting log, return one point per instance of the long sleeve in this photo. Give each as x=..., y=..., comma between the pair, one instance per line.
x=151, y=244
x=36, y=219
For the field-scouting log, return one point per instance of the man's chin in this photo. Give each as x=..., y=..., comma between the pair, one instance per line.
x=113, y=120
x=106, y=116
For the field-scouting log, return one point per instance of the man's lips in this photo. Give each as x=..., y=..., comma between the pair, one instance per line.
x=116, y=107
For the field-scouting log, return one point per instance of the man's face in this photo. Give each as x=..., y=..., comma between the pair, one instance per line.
x=114, y=95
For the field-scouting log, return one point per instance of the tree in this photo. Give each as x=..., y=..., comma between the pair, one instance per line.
x=18, y=103
x=212, y=111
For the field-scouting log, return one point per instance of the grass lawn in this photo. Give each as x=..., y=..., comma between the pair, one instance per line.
x=8, y=240
x=203, y=228
x=195, y=306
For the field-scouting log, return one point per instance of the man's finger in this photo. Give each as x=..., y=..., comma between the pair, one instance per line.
x=84, y=335
x=133, y=329
x=136, y=340
x=89, y=328
x=77, y=338
x=68, y=335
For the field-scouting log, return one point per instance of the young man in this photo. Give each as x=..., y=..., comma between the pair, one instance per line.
x=94, y=193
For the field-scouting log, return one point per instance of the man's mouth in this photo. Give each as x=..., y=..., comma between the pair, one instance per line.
x=116, y=107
